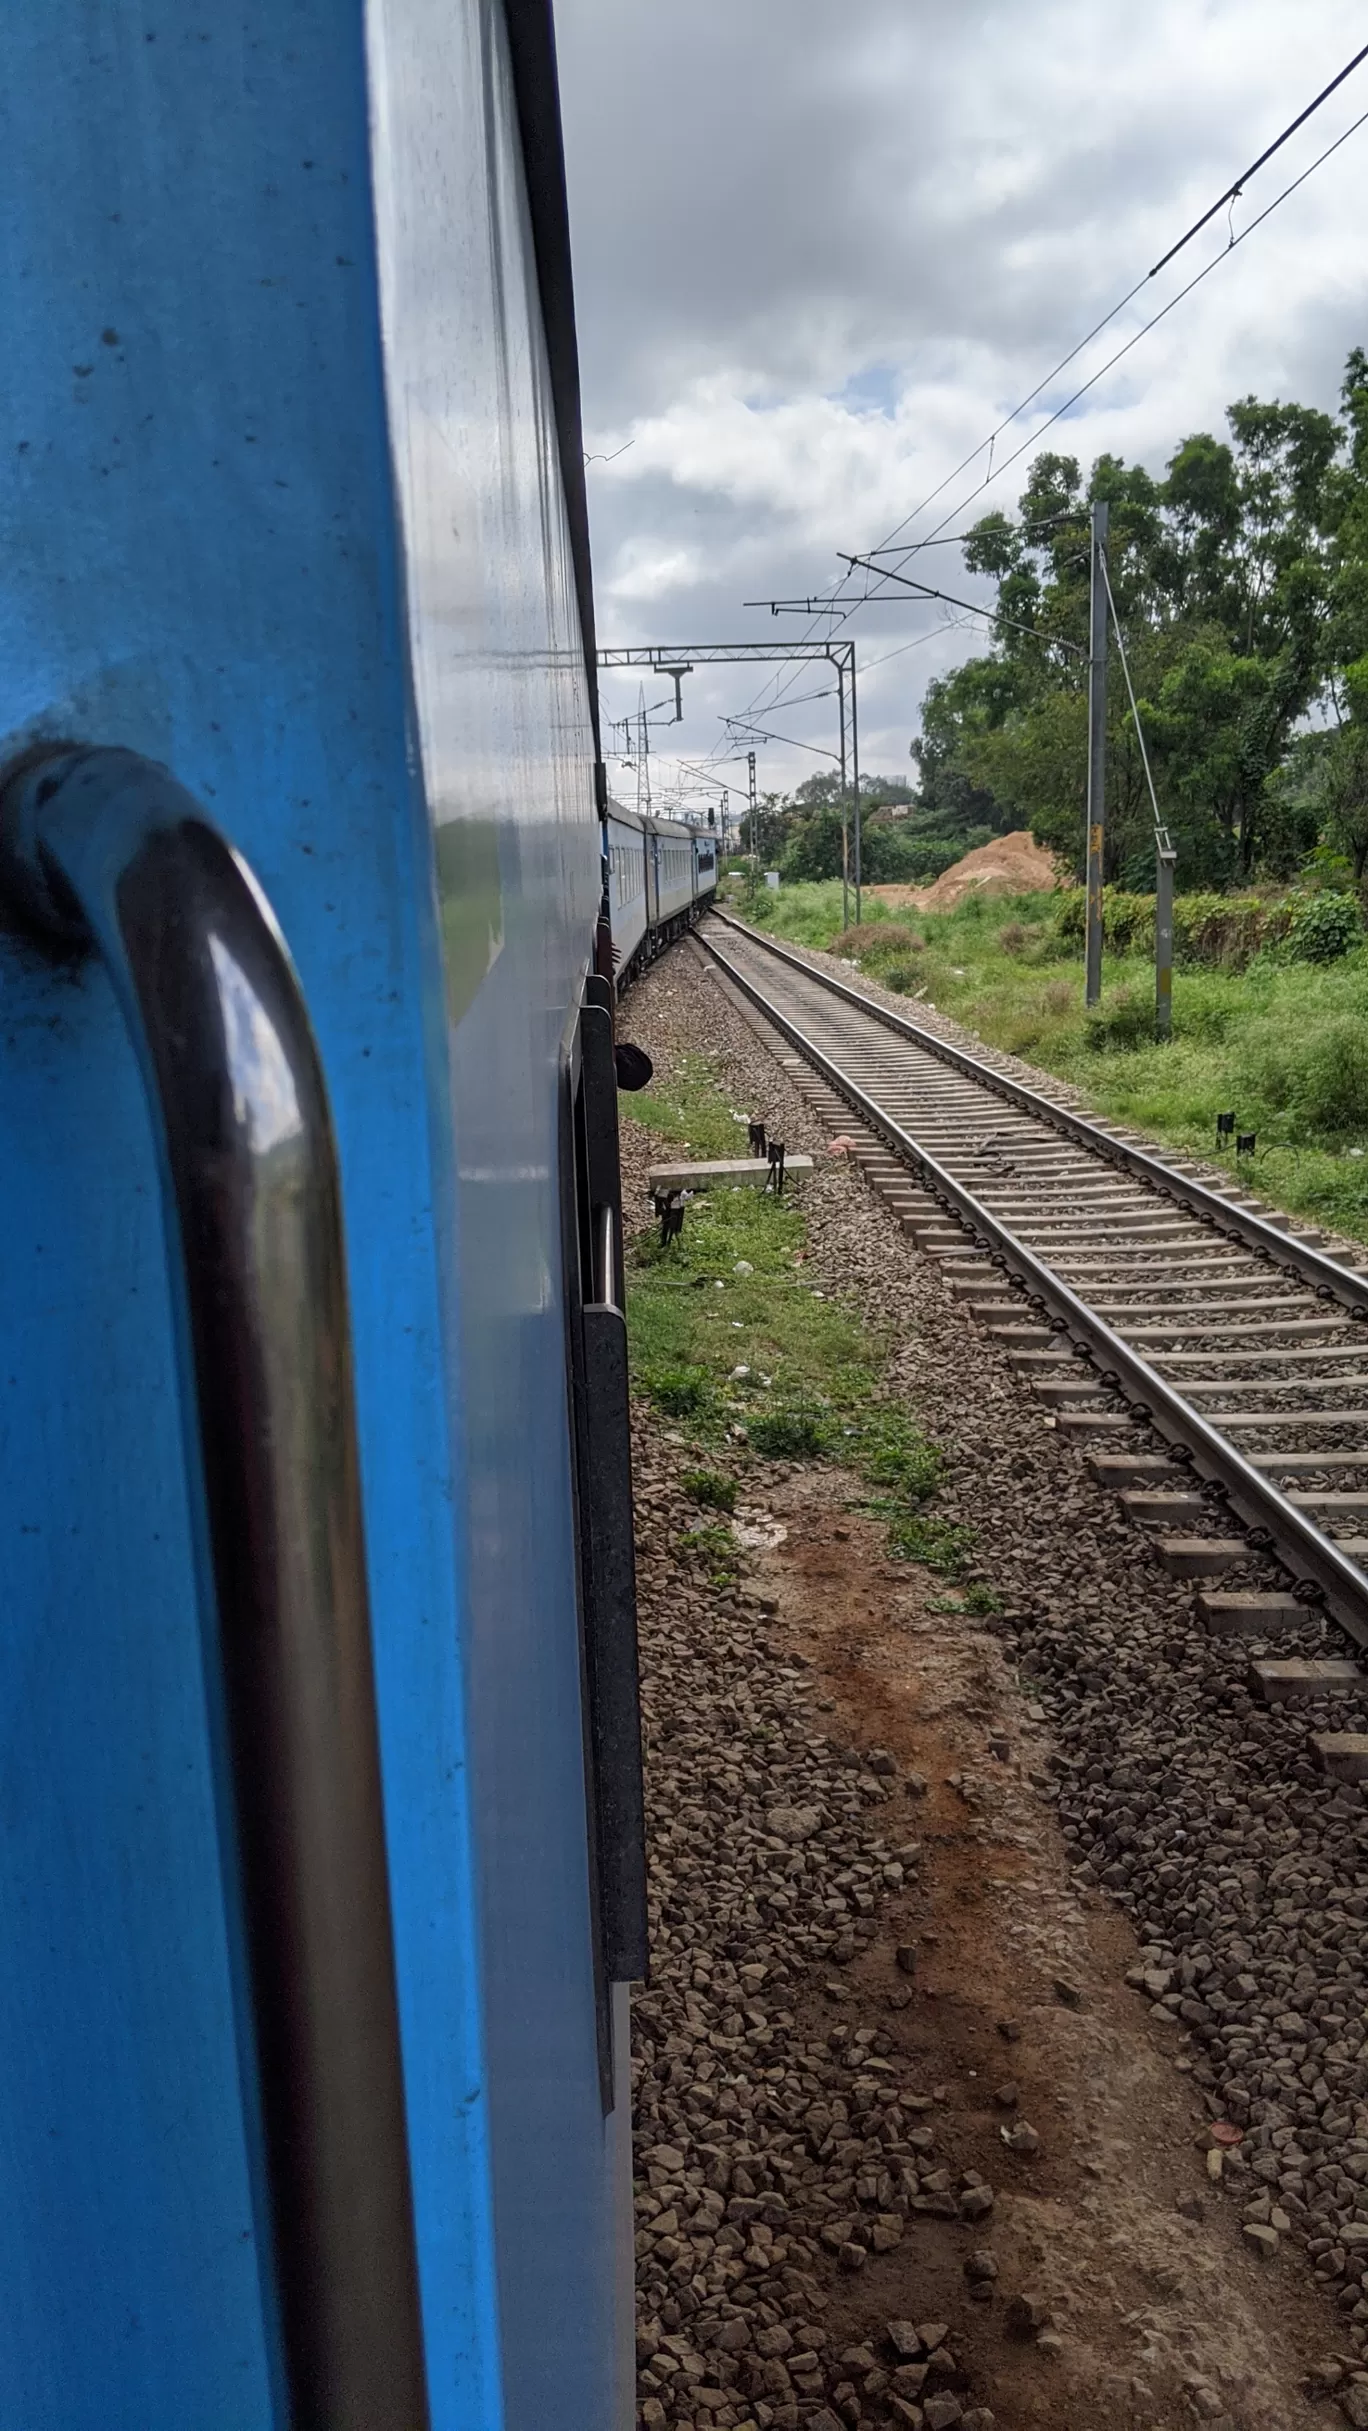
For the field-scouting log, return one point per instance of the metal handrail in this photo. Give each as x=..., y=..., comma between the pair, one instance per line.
x=1325, y=1274
x=1317, y=1559
x=101, y=849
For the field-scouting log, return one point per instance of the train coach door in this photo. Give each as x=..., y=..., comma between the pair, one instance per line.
x=312, y=2001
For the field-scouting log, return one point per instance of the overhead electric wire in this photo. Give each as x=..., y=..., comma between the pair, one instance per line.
x=1160, y=830
x=1231, y=192
x=996, y=616
x=1144, y=329
x=1155, y=319
x=1129, y=297
x=943, y=540
x=950, y=624
x=760, y=734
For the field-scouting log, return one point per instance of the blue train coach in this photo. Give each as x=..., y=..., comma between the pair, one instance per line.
x=320, y=1850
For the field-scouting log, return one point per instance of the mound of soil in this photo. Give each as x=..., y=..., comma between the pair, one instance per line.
x=1010, y=865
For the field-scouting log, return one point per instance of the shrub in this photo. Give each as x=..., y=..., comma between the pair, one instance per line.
x=890, y=856
x=1058, y=996
x=1130, y=928
x=1225, y=931
x=1323, y=927
x=1317, y=1072
x=901, y=977
x=1126, y=1021
x=1071, y=916
x=680, y=1392
x=1012, y=938
x=876, y=937
x=711, y=1488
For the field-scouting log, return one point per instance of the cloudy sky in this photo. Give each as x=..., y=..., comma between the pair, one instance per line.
x=822, y=249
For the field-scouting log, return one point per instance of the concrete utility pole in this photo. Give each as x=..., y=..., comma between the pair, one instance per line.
x=754, y=808
x=1165, y=857
x=1097, y=750
x=855, y=771
x=845, y=806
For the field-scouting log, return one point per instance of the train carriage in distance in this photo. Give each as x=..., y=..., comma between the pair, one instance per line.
x=661, y=876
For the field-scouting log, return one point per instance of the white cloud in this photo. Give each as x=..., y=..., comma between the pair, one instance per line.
x=642, y=571
x=819, y=253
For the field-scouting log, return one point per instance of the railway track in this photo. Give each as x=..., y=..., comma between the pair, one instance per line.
x=1133, y=1295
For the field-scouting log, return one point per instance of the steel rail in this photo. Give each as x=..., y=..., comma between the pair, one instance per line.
x=1325, y=1274
x=1322, y=1571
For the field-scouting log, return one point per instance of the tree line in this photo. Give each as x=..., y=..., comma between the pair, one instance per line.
x=904, y=840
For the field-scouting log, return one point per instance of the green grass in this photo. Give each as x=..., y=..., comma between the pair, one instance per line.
x=695, y=1319
x=809, y=915
x=759, y=1364
x=798, y=1432
x=1282, y=1045
x=691, y=1112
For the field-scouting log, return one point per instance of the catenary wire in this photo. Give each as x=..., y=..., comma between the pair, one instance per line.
x=1156, y=318
x=1129, y=297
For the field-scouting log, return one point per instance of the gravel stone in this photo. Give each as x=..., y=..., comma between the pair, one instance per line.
x=906, y=2340
x=940, y=2412
x=1026, y=2316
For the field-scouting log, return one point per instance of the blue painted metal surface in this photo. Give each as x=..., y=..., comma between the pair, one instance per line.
x=199, y=557
x=503, y=719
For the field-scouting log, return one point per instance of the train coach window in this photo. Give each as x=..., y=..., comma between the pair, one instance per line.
x=591, y=1198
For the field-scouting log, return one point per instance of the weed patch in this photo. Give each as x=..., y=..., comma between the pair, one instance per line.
x=941, y=1544
x=715, y=1547
x=791, y=1434
x=981, y=1599
x=901, y=977
x=888, y=1450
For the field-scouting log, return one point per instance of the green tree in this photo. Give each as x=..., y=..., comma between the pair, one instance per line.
x=1345, y=794
x=1241, y=584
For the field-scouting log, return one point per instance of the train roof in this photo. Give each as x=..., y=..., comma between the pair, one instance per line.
x=653, y=827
